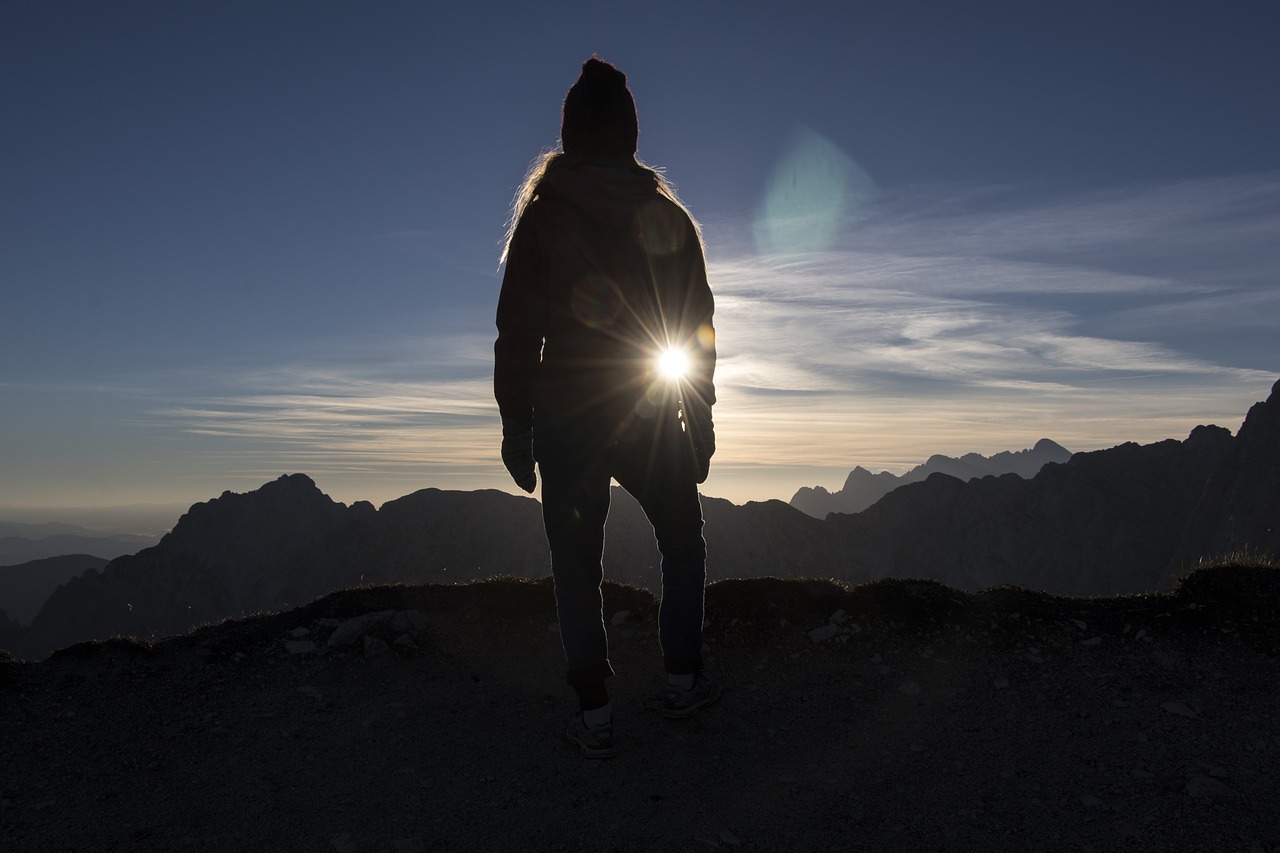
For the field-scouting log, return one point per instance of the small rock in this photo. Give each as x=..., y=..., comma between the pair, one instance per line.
x=876, y=658
x=343, y=844
x=299, y=647
x=821, y=635
x=1092, y=641
x=620, y=618
x=554, y=627
x=1090, y=802
x=299, y=633
x=404, y=641
x=374, y=647
x=838, y=618
x=1129, y=829
x=408, y=845
x=1179, y=708
x=1081, y=625
x=910, y=688
x=409, y=622
x=729, y=838
x=1207, y=788
x=356, y=627
x=1001, y=683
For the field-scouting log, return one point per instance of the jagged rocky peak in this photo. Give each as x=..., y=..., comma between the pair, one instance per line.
x=862, y=488
x=1264, y=417
x=1207, y=435
x=292, y=502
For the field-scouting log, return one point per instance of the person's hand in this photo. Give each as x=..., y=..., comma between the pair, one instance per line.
x=517, y=454
x=702, y=432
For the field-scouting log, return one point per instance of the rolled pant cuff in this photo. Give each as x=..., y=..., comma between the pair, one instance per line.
x=589, y=675
x=679, y=667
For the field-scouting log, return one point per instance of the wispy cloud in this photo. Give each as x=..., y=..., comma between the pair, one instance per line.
x=972, y=323
x=943, y=322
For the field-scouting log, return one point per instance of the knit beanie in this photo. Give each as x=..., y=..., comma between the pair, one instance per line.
x=599, y=114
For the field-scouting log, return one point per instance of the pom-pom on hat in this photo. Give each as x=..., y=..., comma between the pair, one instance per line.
x=599, y=115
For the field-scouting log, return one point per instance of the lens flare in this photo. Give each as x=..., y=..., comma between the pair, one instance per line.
x=815, y=191
x=673, y=364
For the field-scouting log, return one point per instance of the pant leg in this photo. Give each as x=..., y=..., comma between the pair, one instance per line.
x=575, y=504
x=654, y=462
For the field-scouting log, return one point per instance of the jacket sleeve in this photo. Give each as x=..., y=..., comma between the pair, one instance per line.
x=521, y=320
x=699, y=331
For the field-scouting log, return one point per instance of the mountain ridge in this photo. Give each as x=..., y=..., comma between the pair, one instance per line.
x=24, y=549
x=1123, y=520
x=862, y=488
x=26, y=586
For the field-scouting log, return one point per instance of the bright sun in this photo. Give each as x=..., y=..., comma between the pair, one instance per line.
x=673, y=364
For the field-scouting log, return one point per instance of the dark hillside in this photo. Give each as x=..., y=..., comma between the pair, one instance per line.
x=25, y=587
x=899, y=715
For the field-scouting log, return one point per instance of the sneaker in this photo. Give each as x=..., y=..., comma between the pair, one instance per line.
x=594, y=741
x=679, y=704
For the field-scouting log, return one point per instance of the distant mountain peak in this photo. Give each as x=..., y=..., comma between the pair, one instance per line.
x=862, y=488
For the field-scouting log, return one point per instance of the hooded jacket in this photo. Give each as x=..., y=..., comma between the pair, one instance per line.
x=603, y=273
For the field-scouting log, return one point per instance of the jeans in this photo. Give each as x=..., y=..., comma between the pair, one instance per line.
x=652, y=459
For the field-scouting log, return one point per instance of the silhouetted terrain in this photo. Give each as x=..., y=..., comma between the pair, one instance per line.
x=862, y=488
x=896, y=715
x=24, y=588
x=1123, y=520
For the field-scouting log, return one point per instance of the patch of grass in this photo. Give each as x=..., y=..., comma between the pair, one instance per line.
x=1241, y=578
x=800, y=601
x=91, y=648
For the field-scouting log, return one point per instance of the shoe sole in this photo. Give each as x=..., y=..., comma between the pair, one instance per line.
x=592, y=751
x=685, y=713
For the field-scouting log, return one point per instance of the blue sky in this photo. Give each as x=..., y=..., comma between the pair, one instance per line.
x=244, y=239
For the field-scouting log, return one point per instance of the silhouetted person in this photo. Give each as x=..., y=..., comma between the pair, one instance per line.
x=604, y=275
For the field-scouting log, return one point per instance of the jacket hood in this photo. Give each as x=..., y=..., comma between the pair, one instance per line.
x=610, y=192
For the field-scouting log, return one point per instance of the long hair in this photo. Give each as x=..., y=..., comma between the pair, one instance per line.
x=552, y=158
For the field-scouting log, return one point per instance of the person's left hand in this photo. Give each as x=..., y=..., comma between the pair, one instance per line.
x=517, y=455
x=703, y=434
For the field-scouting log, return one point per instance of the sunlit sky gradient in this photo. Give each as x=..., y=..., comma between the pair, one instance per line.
x=245, y=239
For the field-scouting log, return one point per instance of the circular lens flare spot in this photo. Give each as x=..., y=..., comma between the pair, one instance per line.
x=673, y=364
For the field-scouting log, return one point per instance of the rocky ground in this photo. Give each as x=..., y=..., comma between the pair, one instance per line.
x=896, y=715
